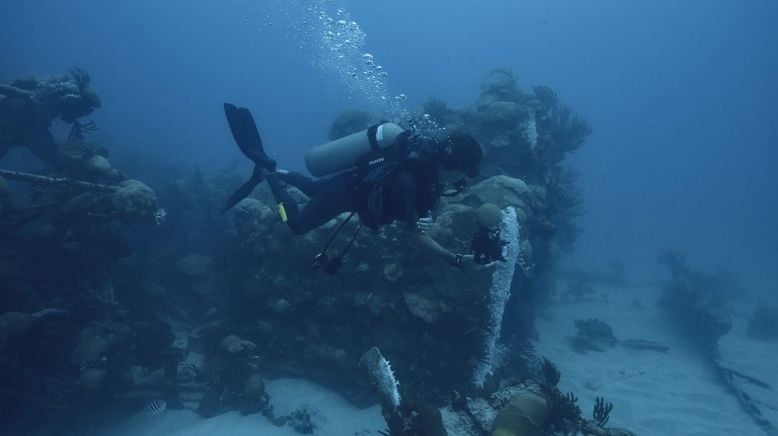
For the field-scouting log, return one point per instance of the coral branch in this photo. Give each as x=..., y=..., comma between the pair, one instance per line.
x=601, y=411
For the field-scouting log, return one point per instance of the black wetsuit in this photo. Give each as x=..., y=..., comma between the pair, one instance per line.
x=402, y=191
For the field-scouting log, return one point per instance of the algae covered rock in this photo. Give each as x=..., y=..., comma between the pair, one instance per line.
x=92, y=379
x=91, y=347
x=489, y=215
x=135, y=202
x=423, y=305
x=254, y=386
x=501, y=191
x=525, y=415
x=195, y=265
x=250, y=219
x=230, y=341
x=98, y=164
x=455, y=222
x=234, y=344
x=503, y=114
x=593, y=335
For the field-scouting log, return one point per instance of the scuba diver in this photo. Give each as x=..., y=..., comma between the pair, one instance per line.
x=382, y=174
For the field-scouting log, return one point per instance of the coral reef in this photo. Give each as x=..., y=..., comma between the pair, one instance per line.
x=135, y=202
x=29, y=106
x=500, y=85
x=197, y=312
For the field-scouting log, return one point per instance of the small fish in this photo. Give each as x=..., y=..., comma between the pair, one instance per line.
x=154, y=408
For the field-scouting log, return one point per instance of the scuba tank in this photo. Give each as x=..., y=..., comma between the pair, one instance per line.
x=347, y=152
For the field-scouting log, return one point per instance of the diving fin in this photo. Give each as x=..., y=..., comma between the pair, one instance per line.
x=256, y=177
x=246, y=135
x=244, y=130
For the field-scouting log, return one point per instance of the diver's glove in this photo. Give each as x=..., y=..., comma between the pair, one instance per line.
x=424, y=224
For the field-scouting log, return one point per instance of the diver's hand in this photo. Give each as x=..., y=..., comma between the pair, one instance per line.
x=424, y=224
x=467, y=264
x=460, y=260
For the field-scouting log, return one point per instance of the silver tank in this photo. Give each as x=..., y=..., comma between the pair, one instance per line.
x=344, y=153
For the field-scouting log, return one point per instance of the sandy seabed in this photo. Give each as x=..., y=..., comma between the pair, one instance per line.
x=332, y=415
x=654, y=393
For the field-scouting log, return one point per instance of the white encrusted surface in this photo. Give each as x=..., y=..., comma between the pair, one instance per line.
x=500, y=292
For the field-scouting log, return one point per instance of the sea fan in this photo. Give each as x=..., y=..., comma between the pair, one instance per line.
x=436, y=109
x=546, y=96
x=564, y=205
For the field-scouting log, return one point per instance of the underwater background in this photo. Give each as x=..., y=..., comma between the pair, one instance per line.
x=681, y=98
x=681, y=95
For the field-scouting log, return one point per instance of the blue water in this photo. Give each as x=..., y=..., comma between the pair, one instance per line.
x=681, y=94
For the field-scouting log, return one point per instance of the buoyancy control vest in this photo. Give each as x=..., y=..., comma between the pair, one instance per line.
x=374, y=156
x=411, y=158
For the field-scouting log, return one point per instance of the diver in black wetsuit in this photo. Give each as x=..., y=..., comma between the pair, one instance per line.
x=404, y=187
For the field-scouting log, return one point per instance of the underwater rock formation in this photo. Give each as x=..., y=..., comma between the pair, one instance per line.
x=528, y=136
x=525, y=415
x=696, y=302
x=499, y=293
x=197, y=313
x=500, y=85
x=693, y=300
x=135, y=202
x=382, y=377
x=29, y=106
x=387, y=286
x=592, y=335
x=59, y=241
